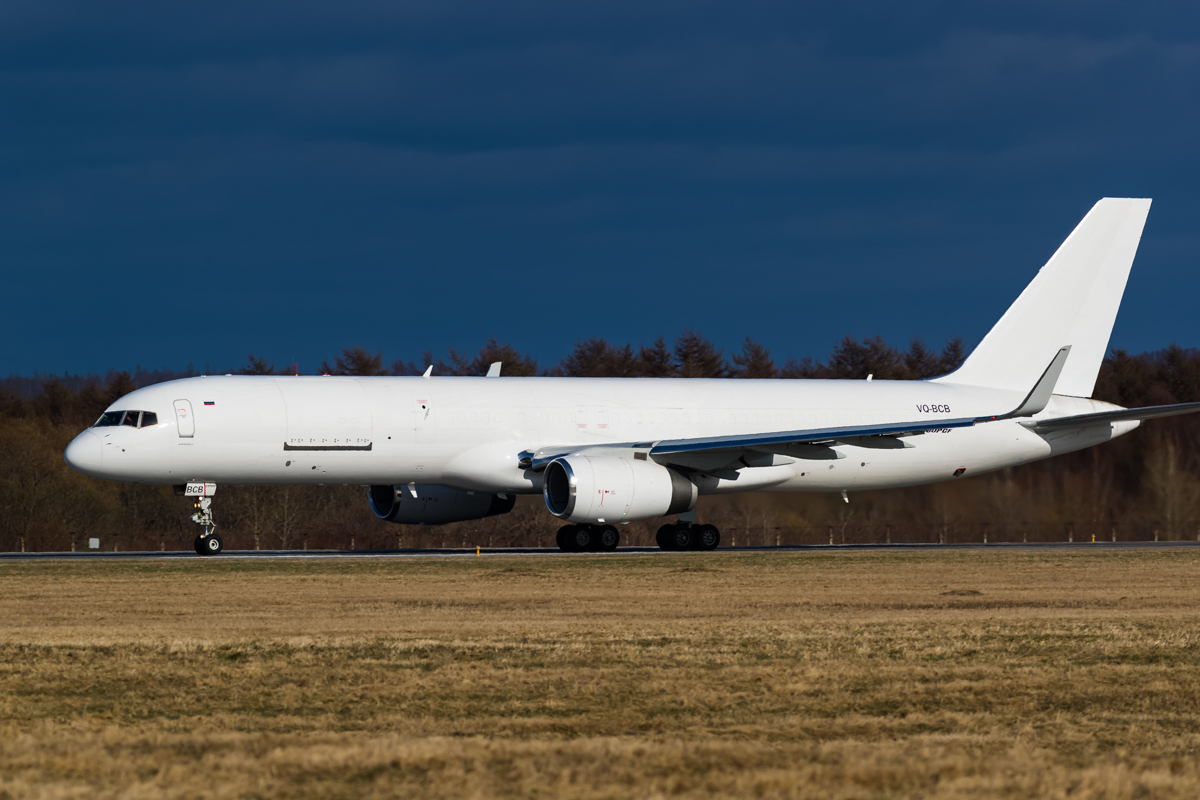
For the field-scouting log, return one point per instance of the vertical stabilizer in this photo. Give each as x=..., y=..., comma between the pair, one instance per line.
x=1071, y=302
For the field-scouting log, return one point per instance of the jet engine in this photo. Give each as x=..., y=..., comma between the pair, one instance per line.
x=435, y=505
x=605, y=489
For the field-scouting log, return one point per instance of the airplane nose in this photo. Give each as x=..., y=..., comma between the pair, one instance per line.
x=83, y=454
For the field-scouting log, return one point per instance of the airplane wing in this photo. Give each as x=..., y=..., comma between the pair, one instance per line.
x=713, y=452
x=752, y=441
x=716, y=452
x=1081, y=420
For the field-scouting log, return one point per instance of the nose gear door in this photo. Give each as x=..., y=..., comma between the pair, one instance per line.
x=183, y=419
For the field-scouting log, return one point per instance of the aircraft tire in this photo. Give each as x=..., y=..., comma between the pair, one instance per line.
x=565, y=538
x=607, y=538
x=584, y=538
x=683, y=537
x=198, y=546
x=212, y=545
x=707, y=537
x=663, y=537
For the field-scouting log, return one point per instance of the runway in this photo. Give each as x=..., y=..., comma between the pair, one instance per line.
x=623, y=551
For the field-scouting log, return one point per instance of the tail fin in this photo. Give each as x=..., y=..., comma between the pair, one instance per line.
x=1072, y=301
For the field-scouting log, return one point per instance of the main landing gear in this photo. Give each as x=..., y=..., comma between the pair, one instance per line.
x=686, y=536
x=594, y=538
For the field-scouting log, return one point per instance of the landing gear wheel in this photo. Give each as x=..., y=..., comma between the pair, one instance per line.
x=683, y=537
x=585, y=538
x=212, y=544
x=608, y=538
x=663, y=537
x=198, y=546
x=565, y=539
x=707, y=537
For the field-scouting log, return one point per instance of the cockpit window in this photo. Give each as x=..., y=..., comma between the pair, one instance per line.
x=130, y=418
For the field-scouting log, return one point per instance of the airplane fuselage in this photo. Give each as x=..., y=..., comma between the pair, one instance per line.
x=471, y=433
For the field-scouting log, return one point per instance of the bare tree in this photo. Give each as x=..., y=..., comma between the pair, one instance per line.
x=1174, y=489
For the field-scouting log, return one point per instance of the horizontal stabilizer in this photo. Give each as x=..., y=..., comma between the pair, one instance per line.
x=1125, y=414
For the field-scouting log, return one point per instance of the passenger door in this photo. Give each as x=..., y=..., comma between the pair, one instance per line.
x=184, y=420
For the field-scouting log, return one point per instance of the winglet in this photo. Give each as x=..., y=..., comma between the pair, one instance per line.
x=494, y=370
x=1039, y=396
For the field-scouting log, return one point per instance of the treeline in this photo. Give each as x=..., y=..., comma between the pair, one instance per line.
x=691, y=356
x=1142, y=486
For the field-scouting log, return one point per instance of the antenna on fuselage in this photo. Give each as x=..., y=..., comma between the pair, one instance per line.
x=428, y=371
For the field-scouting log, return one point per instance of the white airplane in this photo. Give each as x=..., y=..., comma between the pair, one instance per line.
x=606, y=451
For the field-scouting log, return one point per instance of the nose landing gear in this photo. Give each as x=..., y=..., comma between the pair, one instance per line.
x=207, y=543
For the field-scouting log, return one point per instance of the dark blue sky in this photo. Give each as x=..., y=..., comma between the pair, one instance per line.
x=195, y=184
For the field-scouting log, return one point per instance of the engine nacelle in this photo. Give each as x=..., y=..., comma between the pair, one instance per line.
x=435, y=505
x=606, y=489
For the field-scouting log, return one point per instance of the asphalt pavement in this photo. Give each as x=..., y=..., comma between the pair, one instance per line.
x=108, y=555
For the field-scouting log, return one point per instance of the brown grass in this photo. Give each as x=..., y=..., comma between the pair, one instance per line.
x=858, y=675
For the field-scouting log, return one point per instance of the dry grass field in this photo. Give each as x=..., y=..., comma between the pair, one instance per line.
x=845, y=675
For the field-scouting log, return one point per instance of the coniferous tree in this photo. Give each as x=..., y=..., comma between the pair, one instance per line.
x=1181, y=373
x=257, y=366
x=883, y=360
x=459, y=364
x=953, y=355
x=849, y=359
x=696, y=357
x=591, y=358
x=402, y=367
x=753, y=362
x=806, y=368
x=355, y=360
x=656, y=361
x=920, y=361
x=119, y=385
x=513, y=363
